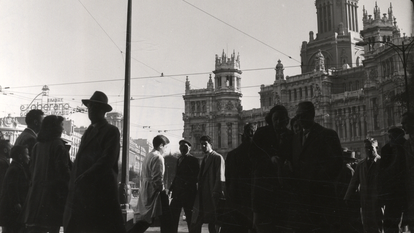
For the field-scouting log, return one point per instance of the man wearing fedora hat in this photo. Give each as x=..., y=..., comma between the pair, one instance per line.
x=184, y=185
x=92, y=205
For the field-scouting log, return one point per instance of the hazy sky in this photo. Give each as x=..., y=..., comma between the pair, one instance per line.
x=70, y=44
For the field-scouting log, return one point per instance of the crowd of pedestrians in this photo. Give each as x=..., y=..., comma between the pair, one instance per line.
x=279, y=179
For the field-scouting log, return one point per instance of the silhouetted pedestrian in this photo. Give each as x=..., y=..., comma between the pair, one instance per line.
x=153, y=200
x=93, y=204
x=184, y=185
x=239, y=184
x=392, y=179
x=317, y=161
x=366, y=178
x=14, y=191
x=28, y=137
x=271, y=148
x=210, y=188
x=49, y=168
x=407, y=122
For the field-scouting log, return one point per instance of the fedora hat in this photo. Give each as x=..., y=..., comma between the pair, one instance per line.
x=184, y=142
x=99, y=98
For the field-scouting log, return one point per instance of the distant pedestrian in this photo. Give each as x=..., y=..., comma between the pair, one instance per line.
x=93, y=204
x=316, y=163
x=27, y=138
x=407, y=122
x=392, y=180
x=14, y=191
x=239, y=184
x=184, y=185
x=271, y=148
x=210, y=188
x=49, y=168
x=153, y=200
x=366, y=179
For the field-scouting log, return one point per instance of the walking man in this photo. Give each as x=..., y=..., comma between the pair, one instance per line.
x=153, y=199
x=93, y=205
x=210, y=188
x=184, y=185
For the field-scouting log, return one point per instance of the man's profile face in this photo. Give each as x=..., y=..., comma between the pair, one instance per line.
x=205, y=146
x=184, y=148
x=95, y=112
x=279, y=120
x=304, y=119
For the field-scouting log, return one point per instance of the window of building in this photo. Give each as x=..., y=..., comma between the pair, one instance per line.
x=306, y=92
x=294, y=94
x=219, y=135
x=300, y=93
x=290, y=95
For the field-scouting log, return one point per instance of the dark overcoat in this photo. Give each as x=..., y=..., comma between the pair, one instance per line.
x=27, y=138
x=14, y=191
x=49, y=168
x=92, y=204
x=4, y=165
x=209, y=188
x=184, y=185
x=366, y=179
x=267, y=192
x=409, y=206
x=316, y=165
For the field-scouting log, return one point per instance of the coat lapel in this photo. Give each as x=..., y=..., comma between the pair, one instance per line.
x=207, y=164
x=89, y=135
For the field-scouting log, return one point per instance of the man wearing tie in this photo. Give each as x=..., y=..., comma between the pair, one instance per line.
x=316, y=163
x=184, y=185
x=210, y=188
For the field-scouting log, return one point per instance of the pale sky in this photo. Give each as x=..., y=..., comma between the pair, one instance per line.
x=70, y=44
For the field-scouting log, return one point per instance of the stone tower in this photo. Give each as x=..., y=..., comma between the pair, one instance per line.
x=337, y=34
x=215, y=110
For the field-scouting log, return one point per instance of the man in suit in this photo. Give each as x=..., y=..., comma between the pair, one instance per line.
x=316, y=163
x=407, y=122
x=27, y=138
x=210, y=188
x=184, y=185
x=92, y=205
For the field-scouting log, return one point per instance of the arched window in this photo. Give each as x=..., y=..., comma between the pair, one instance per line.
x=300, y=93
x=294, y=94
x=290, y=95
x=306, y=92
x=350, y=86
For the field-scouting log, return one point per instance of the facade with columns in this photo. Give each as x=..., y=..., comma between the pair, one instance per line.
x=351, y=91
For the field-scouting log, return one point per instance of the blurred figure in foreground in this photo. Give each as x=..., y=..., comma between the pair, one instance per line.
x=407, y=122
x=14, y=191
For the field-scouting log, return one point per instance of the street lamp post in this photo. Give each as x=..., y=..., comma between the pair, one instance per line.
x=403, y=51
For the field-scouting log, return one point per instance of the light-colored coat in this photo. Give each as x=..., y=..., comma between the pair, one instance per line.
x=149, y=201
x=366, y=178
x=209, y=188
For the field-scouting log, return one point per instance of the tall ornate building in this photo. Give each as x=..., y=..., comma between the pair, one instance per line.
x=215, y=110
x=351, y=91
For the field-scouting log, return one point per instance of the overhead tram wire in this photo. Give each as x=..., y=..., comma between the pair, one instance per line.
x=254, y=38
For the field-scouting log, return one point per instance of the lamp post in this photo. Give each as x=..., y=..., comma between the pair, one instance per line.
x=403, y=51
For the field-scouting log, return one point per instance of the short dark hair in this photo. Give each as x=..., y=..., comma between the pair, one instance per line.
x=160, y=140
x=50, y=128
x=16, y=151
x=33, y=115
x=396, y=131
x=276, y=108
x=307, y=107
x=205, y=138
